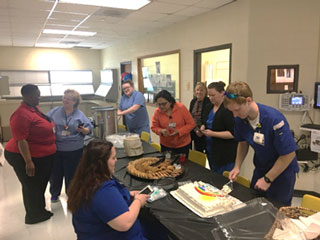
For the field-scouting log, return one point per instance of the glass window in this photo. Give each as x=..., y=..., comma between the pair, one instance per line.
x=158, y=72
x=213, y=64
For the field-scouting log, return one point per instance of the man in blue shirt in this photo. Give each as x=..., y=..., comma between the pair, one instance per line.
x=267, y=131
x=133, y=107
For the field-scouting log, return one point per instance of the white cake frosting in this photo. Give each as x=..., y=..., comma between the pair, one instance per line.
x=204, y=199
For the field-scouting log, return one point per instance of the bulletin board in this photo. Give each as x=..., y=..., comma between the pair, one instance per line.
x=159, y=72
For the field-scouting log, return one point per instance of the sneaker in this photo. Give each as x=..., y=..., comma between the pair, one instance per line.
x=54, y=199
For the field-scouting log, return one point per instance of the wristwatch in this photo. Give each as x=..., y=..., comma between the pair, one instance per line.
x=267, y=179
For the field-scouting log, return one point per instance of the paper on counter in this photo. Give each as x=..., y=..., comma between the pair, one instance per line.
x=315, y=141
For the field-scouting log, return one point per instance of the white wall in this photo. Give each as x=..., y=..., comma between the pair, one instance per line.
x=228, y=24
x=280, y=33
x=23, y=58
x=262, y=33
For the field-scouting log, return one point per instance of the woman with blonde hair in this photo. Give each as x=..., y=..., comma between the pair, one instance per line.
x=200, y=106
x=71, y=127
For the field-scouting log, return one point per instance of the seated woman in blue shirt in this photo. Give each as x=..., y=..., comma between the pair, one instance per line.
x=102, y=208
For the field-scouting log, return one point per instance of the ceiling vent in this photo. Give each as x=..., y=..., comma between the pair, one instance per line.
x=113, y=12
x=71, y=42
x=82, y=47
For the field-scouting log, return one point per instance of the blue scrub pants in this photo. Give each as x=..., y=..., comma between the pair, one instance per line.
x=220, y=169
x=64, y=165
x=281, y=190
x=139, y=130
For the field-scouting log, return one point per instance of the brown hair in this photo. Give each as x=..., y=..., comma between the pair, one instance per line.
x=241, y=89
x=219, y=86
x=74, y=95
x=91, y=172
x=128, y=81
x=203, y=86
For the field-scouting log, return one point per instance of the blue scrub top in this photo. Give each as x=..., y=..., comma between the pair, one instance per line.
x=209, y=126
x=138, y=119
x=278, y=140
x=75, y=140
x=110, y=201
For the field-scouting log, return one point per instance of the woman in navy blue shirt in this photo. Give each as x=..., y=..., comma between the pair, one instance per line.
x=102, y=208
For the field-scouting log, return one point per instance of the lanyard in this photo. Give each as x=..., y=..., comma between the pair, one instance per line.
x=66, y=126
x=42, y=115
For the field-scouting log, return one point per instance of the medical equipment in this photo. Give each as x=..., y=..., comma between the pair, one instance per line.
x=294, y=102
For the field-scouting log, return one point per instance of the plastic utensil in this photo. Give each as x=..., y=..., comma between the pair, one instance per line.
x=227, y=188
x=161, y=159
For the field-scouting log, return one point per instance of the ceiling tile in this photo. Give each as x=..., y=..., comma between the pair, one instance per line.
x=183, y=2
x=21, y=21
x=62, y=22
x=173, y=18
x=161, y=7
x=146, y=16
x=212, y=4
x=30, y=5
x=68, y=16
x=192, y=11
x=76, y=8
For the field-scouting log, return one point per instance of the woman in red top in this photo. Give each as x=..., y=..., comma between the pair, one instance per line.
x=172, y=122
x=30, y=152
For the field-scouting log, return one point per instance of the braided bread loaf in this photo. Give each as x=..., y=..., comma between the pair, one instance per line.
x=142, y=168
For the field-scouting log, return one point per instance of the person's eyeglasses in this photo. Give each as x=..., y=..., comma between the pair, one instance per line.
x=162, y=104
x=232, y=95
x=125, y=89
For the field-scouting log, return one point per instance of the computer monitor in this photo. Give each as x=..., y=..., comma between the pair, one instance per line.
x=316, y=95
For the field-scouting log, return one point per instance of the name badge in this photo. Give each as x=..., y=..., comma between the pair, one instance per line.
x=258, y=138
x=65, y=133
x=172, y=125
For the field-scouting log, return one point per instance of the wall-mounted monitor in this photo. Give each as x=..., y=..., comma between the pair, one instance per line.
x=316, y=95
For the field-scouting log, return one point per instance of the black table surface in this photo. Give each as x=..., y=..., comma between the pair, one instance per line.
x=181, y=222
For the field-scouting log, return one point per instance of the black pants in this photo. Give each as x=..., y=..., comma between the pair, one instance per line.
x=33, y=188
x=175, y=151
x=199, y=142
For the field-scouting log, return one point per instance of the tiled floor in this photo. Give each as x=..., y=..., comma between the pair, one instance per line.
x=12, y=213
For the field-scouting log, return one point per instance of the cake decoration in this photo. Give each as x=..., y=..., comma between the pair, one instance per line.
x=205, y=199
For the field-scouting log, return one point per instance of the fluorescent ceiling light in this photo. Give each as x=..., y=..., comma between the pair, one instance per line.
x=67, y=32
x=125, y=4
x=54, y=45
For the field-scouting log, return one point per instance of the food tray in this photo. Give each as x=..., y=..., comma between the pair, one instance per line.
x=250, y=222
x=142, y=168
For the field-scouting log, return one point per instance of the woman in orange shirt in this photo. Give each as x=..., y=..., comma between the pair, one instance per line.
x=172, y=122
